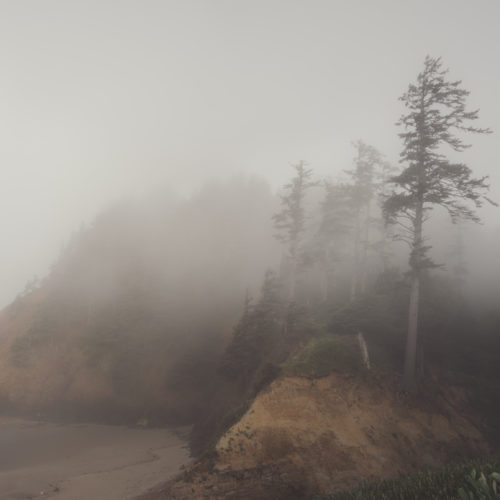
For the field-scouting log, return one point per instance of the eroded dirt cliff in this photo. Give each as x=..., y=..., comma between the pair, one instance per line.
x=301, y=437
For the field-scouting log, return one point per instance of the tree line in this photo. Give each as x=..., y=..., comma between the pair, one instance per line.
x=334, y=251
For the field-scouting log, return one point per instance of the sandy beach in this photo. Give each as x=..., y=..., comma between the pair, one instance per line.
x=85, y=461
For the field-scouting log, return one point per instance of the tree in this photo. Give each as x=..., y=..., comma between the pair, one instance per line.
x=290, y=222
x=436, y=111
x=382, y=246
x=364, y=184
x=334, y=232
x=256, y=334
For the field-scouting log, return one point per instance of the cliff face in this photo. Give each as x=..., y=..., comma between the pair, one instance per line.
x=302, y=437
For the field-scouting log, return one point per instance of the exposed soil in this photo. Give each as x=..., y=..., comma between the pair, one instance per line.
x=301, y=437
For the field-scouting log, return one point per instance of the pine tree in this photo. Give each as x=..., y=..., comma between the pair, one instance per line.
x=435, y=112
x=382, y=246
x=333, y=236
x=364, y=177
x=256, y=333
x=290, y=222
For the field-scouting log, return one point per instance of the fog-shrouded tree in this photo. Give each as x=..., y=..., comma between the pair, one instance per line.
x=435, y=113
x=364, y=179
x=290, y=221
x=256, y=334
x=382, y=245
x=332, y=238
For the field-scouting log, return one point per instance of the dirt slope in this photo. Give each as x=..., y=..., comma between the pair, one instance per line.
x=302, y=437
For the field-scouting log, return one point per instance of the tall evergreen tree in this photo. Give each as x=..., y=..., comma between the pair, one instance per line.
x=435, y=112
x=334, y=231
x=382, y=246
x=256, y=333
x=290, y=222
x=364, y=184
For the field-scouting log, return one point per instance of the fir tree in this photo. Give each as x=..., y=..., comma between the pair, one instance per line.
x=435, y=112
x=364, y=185
x=334, y=231
x=290, y=222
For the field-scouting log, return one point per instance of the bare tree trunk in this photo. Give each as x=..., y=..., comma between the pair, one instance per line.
x=292, y=291
x=292, y=295
x=409, y=383
x=325, y=276
x=364, y=256
x=355, y=266
x=287, y=275
x=409, y=379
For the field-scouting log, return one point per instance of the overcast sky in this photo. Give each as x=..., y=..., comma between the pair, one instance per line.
x=101, y=99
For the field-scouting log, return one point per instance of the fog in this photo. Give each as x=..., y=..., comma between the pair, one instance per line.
x=211, y=219
x=105, y=100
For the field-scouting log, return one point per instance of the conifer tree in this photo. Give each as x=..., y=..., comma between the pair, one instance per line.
x=256, y=332
x=382, y=248
x=334, y=231
x=436, y=111
x=364, y=179
x=290, y=222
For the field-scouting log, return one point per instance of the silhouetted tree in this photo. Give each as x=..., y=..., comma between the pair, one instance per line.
x=436, y=111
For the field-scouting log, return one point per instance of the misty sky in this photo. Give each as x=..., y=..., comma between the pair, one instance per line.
x=101, y=99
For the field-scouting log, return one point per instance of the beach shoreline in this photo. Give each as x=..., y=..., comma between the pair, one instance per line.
x=86, y=460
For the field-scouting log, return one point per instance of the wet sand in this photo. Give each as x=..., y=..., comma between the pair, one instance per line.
x=85, y=461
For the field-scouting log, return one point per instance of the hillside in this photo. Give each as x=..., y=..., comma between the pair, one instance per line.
x=137, y=309
x=170, y=311
x=307, y=436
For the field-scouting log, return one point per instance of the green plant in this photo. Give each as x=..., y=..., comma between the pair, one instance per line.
x=452, y=482
x=480, y=487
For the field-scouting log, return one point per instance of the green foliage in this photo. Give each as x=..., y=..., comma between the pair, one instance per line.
x=380, y=316
x=435, y=112
x=268, y=374
x=325, y=354
x=480, y=487
x=453, y=482
x=257, y=332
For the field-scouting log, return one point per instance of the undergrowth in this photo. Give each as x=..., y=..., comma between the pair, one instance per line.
x=442, y=484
